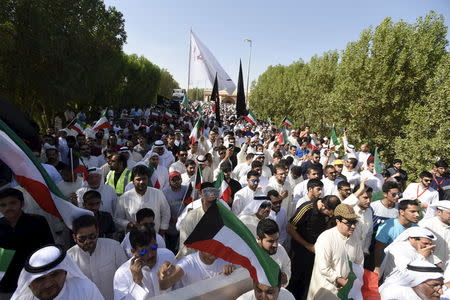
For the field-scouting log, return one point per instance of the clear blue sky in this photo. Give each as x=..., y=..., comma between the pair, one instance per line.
x=282, y=31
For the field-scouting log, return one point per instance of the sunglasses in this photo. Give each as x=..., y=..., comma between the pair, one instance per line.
x=183, y=155
x=254, y=181
x=146, y=250
x=350, y=222
x=395, y=194
x=276, y=203
x=91, y=237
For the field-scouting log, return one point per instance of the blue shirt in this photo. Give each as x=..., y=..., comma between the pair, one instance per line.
x=301, y=153
x=389, y=230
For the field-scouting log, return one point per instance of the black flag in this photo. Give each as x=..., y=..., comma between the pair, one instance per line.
x=241, y=110
x=215, y=98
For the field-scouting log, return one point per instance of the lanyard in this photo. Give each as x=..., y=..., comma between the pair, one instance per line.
x=418, y=195
x=437, y=182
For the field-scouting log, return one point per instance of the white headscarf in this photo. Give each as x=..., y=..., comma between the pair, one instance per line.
x=94, y=171
x=42, y=257
x=416, y=273
x=253, y=206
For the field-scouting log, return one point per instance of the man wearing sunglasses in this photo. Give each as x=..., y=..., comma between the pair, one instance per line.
x=179, y=165
x=334, y=248
x=424, y=193
x=137, y=278
x=98, y=258
x=247, y=193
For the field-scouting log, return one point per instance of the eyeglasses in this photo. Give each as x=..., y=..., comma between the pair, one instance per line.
x=146, y=250
x=436, y=286
x=349, y=223
x=91, y=237
x=265, y=205
x=395, y=194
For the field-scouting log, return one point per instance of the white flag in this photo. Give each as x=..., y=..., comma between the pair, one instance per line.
x=205, y=66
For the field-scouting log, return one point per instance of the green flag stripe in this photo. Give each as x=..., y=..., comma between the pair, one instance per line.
x=270, y=267
x=6, y=257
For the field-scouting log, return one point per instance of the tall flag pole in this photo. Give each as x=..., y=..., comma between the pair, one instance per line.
x=215, y=98
x=241, y=110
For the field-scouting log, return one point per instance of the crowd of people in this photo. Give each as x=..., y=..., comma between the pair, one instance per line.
x=315, y=208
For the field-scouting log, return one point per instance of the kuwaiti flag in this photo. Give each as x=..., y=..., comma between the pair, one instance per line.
x=168, y=114
x=192, y=191
x=101, y=124
x=77, y=125
x=185, y=101
x=283, y=136
x=225, y=189
x=32, y=176
x=334, y=141
x=197, y=131
x=362, y=284
x=250, y=117
x=286, y=122
x=220, y=233
x=6, y=256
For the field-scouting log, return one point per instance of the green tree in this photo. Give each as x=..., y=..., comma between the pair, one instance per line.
x=167, y=84
x=426, y=136
x=196, y=94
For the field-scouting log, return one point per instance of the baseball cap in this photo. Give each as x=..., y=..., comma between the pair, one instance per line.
x=345, y=211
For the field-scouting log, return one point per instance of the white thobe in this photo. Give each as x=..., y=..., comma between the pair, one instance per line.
x=281, y=219
x=241, y=198
x=186, y=227
x=362, y=158
x=301, y=201
x=74, y=288
x=251, y=221
x=195, y=270
x=101, y=265
x=365, y=222
x=126, y=289
x=177, y=166
x=300, y=190
x=54, y=174
x=283, y=295
x=185, y=179
x=90, y=162
x=330, y=187
x=429, y=196
x=240, y=170
x=282, y=259
x=130, y=202
x=287, y=202
x=375, y=181
x=126, y=244
x=333, y=250
x=293, y=182
x=109, y=197
x=397, y=257
x=68, y=188
x=442, y=232
x=353, y=177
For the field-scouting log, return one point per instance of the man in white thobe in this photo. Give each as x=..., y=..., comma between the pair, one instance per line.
x=330, y=182
x=42, y=270
x=246, y=194
x=279, y=183
x=334, y=248
x=440, y=226
x=97, y=258
x=138, y=278
x=374, y=180
x=255, y=211
x=95, y=182
x=424, y=193
x=139, y=197
x=192, y=268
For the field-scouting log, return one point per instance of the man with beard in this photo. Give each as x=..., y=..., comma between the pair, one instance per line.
x=179, y=165
x=138, y=277
x=119, y=176
x=52, y=158
x=441, y=179
x=98, y=258
x=313, y=161
x=424, y=193
x=267, y=235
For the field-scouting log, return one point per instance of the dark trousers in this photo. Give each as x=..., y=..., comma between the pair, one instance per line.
x=302, y=263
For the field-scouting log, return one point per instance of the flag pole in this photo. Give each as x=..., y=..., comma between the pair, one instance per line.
x=71, y=164
x=189, y=66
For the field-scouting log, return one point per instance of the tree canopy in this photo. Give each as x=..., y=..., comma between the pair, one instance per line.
x=389, y=88
x=59, y=53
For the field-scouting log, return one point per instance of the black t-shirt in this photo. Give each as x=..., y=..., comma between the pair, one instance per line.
x=31, y=232
x=309, y=222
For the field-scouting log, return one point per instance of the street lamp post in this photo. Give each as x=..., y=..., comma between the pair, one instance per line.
x=249, y=61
